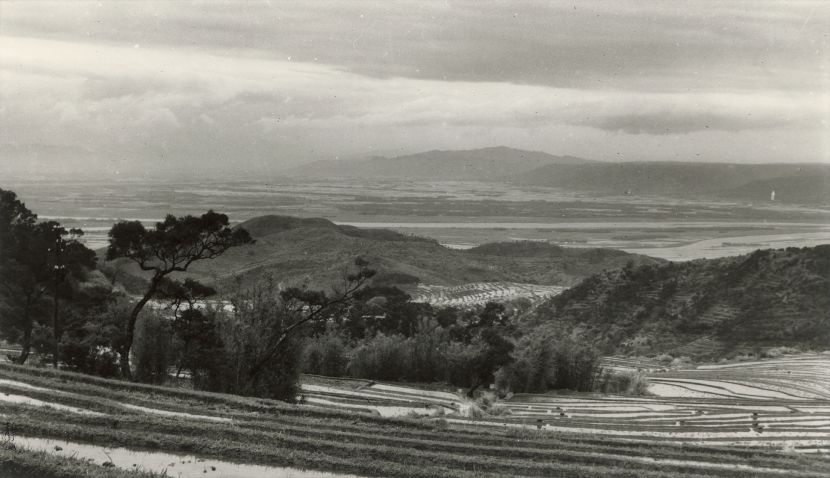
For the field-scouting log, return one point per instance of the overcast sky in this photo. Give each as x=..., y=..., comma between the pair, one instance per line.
x=251, y=87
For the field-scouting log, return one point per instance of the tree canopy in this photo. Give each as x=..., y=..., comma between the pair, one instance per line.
x=171, y=246
x=35, y=259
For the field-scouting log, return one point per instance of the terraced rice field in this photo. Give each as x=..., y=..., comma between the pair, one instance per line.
x=340, y=427
x=782, y=404
x=478, y=293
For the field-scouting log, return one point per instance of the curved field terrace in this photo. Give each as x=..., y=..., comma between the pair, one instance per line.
x=478, y=293
x=751, y=427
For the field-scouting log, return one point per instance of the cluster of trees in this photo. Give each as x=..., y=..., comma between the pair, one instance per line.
x=59, y=300
x=55, y=300
x=41, y=264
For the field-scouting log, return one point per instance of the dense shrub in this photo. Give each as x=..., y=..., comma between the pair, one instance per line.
x=382, y=358
x=152, y=348
x=625, y=383
x=326, y=355
x=247, y=368
x=543, y=363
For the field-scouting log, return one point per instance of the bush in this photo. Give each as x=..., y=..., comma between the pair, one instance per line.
x=626, y=383
x=542, y=364
x=381, y=358
x=681, y=361
x=244, y=334
x=325, y=355
x=776, y=352
x=88, y=344
x=664, y=359
x=577, y=367
x=152, y=348
x=533, y=370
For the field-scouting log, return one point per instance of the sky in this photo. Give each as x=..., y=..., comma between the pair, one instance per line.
x=252, y=88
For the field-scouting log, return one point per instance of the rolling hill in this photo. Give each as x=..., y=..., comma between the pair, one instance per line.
x=316, y=251
x=702, y=308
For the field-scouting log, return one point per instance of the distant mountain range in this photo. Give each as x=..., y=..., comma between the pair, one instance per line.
x=295, y=250
x=486, y=164
x=704, y=308
x=792, y=183
x=749, y=182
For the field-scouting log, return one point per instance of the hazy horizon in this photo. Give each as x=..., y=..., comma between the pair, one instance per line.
x=92, y=89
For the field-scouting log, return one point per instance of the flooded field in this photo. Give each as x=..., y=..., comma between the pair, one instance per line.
x=182, y=466
x=774, y=415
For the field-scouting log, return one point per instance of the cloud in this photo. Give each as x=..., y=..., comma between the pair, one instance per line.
x=563, y=44
x=214, y=84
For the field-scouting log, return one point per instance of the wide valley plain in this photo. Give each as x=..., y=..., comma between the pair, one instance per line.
x=458, y=214
x=732, y=419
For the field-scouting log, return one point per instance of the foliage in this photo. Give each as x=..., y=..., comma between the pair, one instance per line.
x=701, y=309
x=466, y=351
x=326, y=355
x=36, y=259
x=622, y=383
x=171, y=246
x=92, y=336
x=152, y=349
x=544, y=362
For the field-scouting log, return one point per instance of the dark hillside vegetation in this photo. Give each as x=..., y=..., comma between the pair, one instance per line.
x=701, y=308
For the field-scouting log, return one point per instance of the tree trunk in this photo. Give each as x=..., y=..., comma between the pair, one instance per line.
x=56, y=328
x=26, y=343
x=126, y=372
x=473, y=389
x=182, y=359
x=26, y=346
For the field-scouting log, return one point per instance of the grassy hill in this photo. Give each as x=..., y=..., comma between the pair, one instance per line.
x=485, y=164
x=317, y=251
x=704, y=308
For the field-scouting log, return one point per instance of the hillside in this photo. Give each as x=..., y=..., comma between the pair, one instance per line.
x=702, y=308
x=486, y=164
x=316, y=250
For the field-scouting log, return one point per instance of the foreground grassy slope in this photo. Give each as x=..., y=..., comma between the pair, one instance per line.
x=277, y=434
x=294, y=249
x=702, y=308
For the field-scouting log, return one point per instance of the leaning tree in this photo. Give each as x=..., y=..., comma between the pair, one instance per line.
x=171, y=246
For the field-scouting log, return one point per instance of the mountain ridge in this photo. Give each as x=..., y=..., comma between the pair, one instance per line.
x=490, y=163
x=798, y=183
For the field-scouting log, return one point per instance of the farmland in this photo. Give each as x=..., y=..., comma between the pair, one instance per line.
x=466, y=295
x=742, y=419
